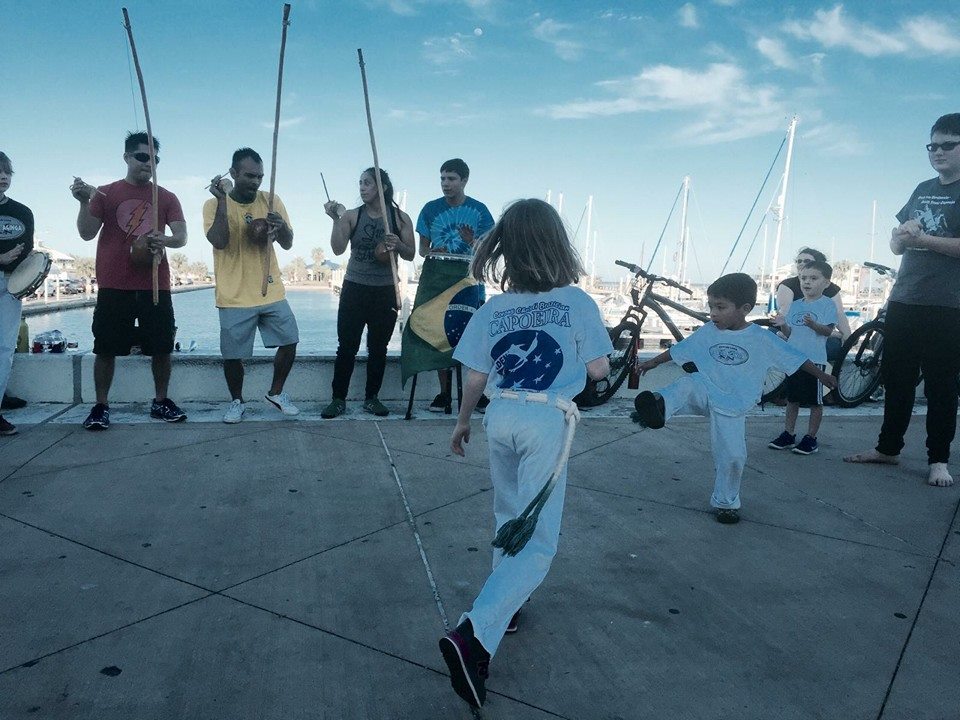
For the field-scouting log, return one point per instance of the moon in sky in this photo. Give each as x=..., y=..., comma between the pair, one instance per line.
x=478, y=31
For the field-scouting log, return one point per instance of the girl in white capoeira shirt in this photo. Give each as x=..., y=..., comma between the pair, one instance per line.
x=530, y=350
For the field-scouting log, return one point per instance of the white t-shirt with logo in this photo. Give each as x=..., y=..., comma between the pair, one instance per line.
x=535, y=342
x=734, y=363
x=814, y=346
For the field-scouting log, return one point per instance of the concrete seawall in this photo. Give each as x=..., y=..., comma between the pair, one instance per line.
x=68, y=378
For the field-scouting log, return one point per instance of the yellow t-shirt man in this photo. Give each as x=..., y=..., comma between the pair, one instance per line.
x=238, y=267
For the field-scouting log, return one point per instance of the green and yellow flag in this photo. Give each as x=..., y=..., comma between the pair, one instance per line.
x=445, y=302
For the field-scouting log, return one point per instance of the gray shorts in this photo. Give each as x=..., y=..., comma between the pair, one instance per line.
x=277, y=326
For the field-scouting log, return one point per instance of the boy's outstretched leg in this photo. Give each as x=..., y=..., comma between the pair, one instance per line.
x=649, y=410
x=684, y=395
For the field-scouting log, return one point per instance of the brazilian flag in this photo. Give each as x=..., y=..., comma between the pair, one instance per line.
x=445, y=302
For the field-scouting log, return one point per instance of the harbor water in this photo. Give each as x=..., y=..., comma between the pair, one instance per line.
x=198, y=323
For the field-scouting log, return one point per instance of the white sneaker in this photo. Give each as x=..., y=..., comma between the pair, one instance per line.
x=282, y=403
x=234, y=412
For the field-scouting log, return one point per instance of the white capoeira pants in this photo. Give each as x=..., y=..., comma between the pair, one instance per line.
x=9, y=330
x=689, y=396
x=525, y=440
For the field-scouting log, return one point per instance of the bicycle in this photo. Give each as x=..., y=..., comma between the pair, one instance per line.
x=858, y=376
x=625, y=336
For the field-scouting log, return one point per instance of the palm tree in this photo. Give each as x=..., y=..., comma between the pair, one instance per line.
x=179, y=263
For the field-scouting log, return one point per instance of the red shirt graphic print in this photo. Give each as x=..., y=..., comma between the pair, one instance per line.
x=127, y=212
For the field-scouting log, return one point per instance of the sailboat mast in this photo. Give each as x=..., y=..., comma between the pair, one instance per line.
x=781, y=205
x=682, y=253
x=560, y=204
x=586, y=241
x=873, y=237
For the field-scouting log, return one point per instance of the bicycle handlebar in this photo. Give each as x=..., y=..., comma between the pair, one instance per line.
x=639, y=271
x=881, y=269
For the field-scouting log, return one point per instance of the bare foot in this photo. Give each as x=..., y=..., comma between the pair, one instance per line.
x=872, y=456
x=939, y=476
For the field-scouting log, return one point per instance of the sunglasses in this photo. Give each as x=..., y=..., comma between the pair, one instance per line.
x=946, y=146
x=144, y=157
x=802, y=261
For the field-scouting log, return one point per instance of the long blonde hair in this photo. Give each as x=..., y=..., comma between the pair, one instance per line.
x=532, y=242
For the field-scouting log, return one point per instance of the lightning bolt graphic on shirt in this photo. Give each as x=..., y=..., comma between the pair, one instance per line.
x=136, y=217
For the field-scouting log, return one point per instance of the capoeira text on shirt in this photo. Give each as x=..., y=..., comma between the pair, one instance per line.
x=526, y=317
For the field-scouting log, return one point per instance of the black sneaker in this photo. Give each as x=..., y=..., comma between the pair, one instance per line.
x=514, y=623
x=99, y=418
x=440, y=404
x=375, y=407
x=784, y=441
x=167, y=411
x=7, y=428
x=12, y=403
x=806, y=446
x=482, y=404
x=468, y=662
x=728, y=516
x=650, y=410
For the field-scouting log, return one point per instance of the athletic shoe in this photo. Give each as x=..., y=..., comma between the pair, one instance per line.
x=784, y=441
x=514, y=623
x=335, y=408
x=234, y=413
x=650, y=410
x=468, y=663
x=807, y=446
x=167, y=411
x=282, y=403
x=728, y=516
x=375, y=407
x=99, y=418
x=440, y=403
x=12, y=403
x=482, y=404
x=6, y=428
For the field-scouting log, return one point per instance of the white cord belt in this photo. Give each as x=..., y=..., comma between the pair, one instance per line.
x=513, y=535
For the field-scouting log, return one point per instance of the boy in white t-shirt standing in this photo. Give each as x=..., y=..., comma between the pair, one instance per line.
x=731, y=358
x=807, y=325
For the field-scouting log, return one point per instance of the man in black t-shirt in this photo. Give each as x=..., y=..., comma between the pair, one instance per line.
x=16, y=242
x=922, y=331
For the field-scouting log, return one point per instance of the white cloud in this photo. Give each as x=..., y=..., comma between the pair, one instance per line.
x=413, y=7
x=931, y=34
x=834, y=139
x=728, y=106
x=726, y=3
x=444, y=51
x=832, y=28
x=408, y=115
x=550, y=32
x=776, y=52
x=688, y=16
x=285, y=123
x=618, y=15
x=455, y=113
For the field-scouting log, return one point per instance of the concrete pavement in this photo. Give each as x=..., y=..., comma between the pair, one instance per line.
x=304, y=569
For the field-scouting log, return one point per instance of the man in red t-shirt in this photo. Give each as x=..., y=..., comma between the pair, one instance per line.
x=125, y=315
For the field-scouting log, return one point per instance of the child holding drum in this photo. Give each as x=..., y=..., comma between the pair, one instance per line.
x=16, y=242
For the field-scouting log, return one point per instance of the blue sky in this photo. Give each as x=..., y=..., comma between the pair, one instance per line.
x=614, y=100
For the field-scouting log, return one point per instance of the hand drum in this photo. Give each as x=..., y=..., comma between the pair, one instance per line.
x=257, y=232
x=140, y=254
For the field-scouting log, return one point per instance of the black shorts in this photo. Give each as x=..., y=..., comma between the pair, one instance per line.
x=804, y=389
x=128, y=317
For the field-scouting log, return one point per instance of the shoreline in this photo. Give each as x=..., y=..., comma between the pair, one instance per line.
x=39, y=307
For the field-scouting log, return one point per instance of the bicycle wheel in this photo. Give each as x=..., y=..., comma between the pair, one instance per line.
x=858, y=369
x=774, y=385
x=598, y=392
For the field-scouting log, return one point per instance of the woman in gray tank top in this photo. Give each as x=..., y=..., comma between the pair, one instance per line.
x=368, y=298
